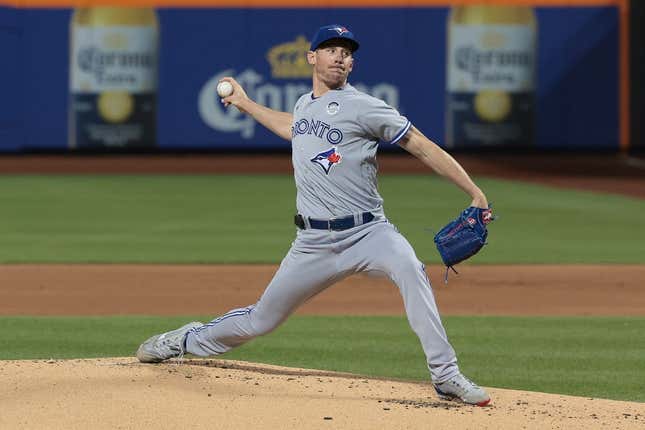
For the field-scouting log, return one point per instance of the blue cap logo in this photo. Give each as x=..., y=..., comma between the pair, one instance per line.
x=340, y=30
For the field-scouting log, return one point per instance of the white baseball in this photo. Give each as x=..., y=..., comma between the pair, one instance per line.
x=224, y=89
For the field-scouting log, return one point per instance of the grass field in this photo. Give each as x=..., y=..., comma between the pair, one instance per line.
x=247, y=219
x=599, y=357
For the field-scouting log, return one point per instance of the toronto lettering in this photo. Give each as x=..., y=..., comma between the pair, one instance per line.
x=320, y=129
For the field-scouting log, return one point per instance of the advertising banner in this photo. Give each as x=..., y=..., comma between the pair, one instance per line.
x=118, y=78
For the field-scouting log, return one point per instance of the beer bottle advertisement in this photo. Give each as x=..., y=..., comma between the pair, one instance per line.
x=490, y=77
x=113, y=78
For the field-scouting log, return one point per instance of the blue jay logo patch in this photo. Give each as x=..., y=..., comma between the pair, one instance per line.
x=340, y=30
x=327, y=159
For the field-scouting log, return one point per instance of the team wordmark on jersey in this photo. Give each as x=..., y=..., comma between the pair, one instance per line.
x=317, y=128
x=327, y=159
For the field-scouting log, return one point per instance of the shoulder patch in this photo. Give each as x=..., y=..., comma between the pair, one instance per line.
x=333, y=108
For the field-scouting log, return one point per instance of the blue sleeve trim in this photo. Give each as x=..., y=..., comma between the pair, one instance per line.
x=401, y=133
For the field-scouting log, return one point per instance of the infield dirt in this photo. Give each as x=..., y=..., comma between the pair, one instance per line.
x=213, y=289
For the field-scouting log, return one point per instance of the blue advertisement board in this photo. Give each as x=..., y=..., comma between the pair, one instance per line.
x=402, y=60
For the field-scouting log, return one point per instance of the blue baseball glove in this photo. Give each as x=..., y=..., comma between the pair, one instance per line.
x=463, y=237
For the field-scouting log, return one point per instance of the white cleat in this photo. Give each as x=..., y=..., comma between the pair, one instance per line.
x=166, y=345
x=461, y=388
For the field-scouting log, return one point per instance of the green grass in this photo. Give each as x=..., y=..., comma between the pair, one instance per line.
x=247, y=219
x=596, y=357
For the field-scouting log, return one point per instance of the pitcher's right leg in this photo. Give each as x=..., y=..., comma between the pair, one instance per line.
x=302, y=274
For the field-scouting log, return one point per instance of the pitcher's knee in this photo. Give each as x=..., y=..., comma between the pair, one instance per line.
x=262, y=325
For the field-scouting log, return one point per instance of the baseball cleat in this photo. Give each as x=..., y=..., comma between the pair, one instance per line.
x=461, y=388
x=165, y=345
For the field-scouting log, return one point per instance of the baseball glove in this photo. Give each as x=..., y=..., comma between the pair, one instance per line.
x=463, y=237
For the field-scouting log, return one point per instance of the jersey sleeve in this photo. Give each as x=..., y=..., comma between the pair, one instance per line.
x=300, y=101
x=382, y=121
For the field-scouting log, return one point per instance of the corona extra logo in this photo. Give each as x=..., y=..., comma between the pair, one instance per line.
x=288, y=60
x=280, y=96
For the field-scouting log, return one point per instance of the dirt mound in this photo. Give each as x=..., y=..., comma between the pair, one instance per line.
x=217, y=394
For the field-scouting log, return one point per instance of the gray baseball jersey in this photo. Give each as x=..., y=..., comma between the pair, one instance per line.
x=335, y=139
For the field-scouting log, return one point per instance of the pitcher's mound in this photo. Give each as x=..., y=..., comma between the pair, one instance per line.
x=116, y=393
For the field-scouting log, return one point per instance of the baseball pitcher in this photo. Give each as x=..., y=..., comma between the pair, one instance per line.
x=341, y=227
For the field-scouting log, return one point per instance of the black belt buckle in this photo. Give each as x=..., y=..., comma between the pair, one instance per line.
x=367, y=217
x=299, y=221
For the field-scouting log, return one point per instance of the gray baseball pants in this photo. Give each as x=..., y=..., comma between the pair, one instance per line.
x=319, y=258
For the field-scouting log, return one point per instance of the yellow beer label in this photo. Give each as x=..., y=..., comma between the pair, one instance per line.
x=493, y=105
x=115, y=106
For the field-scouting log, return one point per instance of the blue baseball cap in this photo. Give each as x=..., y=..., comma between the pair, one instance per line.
x=333, y=31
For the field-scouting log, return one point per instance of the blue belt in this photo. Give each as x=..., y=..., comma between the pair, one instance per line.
x=337, y=224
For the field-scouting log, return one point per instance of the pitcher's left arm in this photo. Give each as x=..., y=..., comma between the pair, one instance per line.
x=443, y=163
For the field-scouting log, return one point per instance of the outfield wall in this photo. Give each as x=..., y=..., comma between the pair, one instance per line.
x=572, y=90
